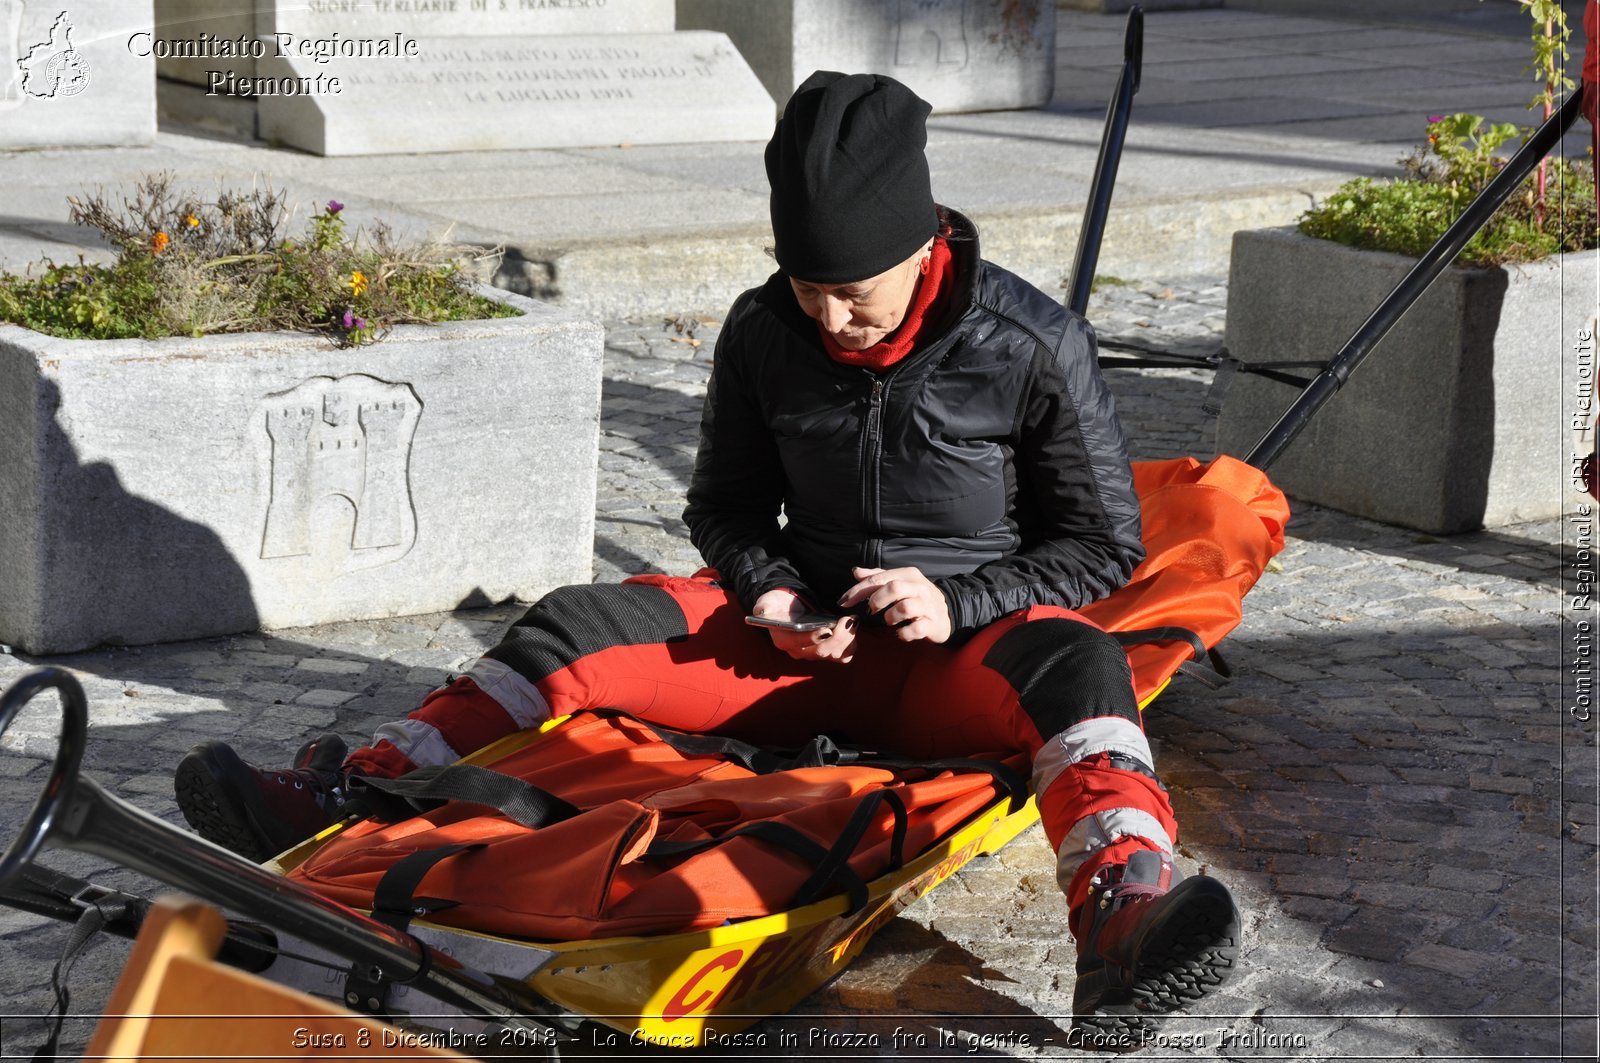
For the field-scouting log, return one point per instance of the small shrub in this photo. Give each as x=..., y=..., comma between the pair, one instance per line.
x=1409, y=214
x=188, y=267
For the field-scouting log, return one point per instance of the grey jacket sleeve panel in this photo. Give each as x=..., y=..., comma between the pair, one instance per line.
x=1081, y=518
x=738, y=485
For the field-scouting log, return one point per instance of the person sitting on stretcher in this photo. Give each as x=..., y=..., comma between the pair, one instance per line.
x=954, y=482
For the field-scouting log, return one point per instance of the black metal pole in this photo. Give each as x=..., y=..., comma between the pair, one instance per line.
x=1411, y=287
x=1105, y=167
x=74, y=812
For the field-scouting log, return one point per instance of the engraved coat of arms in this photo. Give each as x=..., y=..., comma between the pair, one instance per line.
x=341, y=451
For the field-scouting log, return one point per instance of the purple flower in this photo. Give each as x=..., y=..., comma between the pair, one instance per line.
x=349, y=319
x=361, y=323
x=334, y=206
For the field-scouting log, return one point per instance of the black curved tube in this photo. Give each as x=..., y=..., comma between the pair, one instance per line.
x=75, y=813
x=63, y=770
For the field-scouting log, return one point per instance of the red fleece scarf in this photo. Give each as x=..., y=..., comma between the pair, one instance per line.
x=933, y=291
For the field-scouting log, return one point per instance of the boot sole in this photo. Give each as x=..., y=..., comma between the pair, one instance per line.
x=208, y=785
x=1188, y=955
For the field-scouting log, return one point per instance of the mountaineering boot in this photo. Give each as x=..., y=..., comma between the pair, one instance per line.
x=259, y=813
x=1149, y=941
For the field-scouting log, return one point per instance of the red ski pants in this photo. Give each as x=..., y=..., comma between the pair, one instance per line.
x=676, y=651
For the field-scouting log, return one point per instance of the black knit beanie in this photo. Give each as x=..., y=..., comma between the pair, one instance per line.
x=850, y=190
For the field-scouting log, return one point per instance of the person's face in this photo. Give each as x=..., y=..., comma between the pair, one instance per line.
x=862, y=313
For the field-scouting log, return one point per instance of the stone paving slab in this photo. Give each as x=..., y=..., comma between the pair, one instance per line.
x=1382, y=784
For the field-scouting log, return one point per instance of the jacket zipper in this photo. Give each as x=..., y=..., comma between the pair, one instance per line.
x=872, y=459
x=872, y=548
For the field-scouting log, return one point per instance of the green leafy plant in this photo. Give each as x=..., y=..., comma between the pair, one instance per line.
x=187, y=266
x=1549, y=67
x=1553, y=213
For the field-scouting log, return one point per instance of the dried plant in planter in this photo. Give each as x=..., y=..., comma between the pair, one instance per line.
x=186, y=266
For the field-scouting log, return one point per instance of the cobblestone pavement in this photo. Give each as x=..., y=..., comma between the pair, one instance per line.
x=1390, y=784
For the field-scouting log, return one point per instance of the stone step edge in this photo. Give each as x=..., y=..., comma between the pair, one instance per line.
x=1166, y=239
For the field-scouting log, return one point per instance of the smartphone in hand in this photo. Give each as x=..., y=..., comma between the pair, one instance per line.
x=809, y=622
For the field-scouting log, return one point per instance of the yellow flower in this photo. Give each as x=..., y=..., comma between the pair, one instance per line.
x=160, y=242
x=194, y=222
x=358, y=282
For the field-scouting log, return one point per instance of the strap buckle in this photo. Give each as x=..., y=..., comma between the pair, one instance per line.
x=117, y=903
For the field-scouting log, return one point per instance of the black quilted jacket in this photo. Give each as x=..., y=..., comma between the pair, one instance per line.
x=990, y=458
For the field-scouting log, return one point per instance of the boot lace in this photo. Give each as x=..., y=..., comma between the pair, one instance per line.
x=1117, y=894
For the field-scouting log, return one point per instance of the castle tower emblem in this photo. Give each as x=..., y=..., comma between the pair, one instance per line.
x=347, y=438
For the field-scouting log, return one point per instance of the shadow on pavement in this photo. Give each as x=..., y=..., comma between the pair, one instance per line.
x=1393, y=806
x=1529, y=553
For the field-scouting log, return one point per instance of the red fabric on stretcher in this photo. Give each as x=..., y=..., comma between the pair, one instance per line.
x=1209, y=531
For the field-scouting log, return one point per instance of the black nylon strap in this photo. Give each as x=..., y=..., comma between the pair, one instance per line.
x=1015, y=786
x=1217, y=393
x=1228, y=367
x=395, y=902
x=784, y=837
x=1170, y=633
x=749, y=757
x=1215, y=677
x=897, y=838
x=1260, y=369
x=819, y=752
x=45, y=891
x=96, y=915
x=1142, y=355
x=850, y=837
x=521, y=802
x=533, y=807
x=1270, y=369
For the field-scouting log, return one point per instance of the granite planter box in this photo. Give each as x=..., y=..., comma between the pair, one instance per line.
x=1454, y=422
x=176, y=488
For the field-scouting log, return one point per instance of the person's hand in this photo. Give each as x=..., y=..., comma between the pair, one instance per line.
x=910, y=603
x=837, y=643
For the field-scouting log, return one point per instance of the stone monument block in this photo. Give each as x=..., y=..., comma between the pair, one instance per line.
x=188, y=33
x=463, y=18
x=472, y=94
x=360, y=77
x=959, y=55
x=68, y=77
x=183, y=22
x=177, y=488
